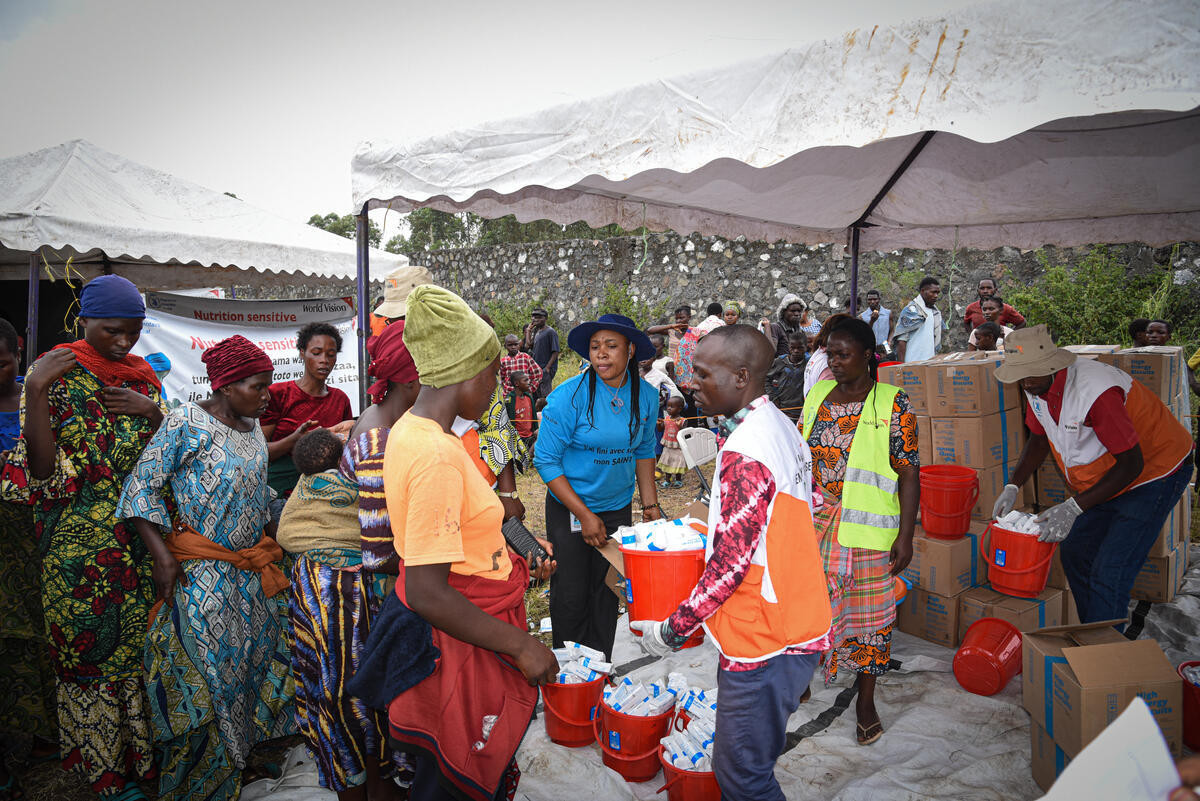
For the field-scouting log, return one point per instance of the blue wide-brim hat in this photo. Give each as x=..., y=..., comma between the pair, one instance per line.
x=580, y=338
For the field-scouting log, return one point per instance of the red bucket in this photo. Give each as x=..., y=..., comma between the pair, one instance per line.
x=629, y=743
x=948, y=494
x=657, y=582
x=1018, y=564
x=989, y=657
x=570, y=710
x=688, y=785
x=1191, y=709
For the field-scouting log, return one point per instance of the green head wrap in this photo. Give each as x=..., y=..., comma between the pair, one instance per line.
x=448, y=342
x=733, y=304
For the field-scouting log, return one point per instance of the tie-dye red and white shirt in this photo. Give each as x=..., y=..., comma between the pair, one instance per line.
x=746, y=492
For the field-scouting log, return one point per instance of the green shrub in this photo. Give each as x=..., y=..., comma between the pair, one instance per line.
x=1090, y=303
x=618, y=300
x=511, y=316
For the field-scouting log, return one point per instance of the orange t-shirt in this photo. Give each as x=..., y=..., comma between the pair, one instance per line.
x=441, y=508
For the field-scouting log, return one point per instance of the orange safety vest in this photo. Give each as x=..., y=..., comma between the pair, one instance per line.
x=1079, y=452
x=783, y=601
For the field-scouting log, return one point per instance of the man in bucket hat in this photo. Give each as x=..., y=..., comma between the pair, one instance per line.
x=1122, y=451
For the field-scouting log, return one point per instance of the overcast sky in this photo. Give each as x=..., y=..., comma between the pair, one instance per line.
x=268, y=99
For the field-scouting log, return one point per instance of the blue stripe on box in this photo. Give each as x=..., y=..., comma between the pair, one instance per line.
x=1041, y=613
x=1060, y=761
x=1003, y=431
x=1048, y=666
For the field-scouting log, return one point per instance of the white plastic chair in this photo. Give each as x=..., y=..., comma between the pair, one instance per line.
x=699, y=446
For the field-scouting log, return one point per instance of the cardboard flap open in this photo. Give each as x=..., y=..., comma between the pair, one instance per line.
x=1118, y=662
x=612, y=552
x=1079, y=627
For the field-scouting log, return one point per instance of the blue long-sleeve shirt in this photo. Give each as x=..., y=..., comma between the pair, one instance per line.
x=597, y=458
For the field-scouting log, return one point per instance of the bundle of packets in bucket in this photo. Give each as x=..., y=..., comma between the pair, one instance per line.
x=662, y=535
x=644, y=700
x=691, y=749
x=1192, y=674
x=578, y=664
x=1020, y=522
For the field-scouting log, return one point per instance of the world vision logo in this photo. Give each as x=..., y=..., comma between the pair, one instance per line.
x=1017, y=348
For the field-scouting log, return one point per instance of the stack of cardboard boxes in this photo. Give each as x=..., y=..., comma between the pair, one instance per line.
x=1075, y=680
x=1162, y=370
x=965, y=417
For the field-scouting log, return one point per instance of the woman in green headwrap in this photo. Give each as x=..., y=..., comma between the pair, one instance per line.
x=733, y=312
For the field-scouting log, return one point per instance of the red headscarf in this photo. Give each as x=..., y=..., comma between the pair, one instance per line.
x=233, y=359
x=110, y=373
x=390, y=361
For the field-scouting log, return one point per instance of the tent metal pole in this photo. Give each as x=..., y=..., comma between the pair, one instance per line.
x=854, y=271
x=35, y=292
x=363, y=284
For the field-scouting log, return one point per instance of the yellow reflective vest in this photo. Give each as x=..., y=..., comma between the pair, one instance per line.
x=871, y=489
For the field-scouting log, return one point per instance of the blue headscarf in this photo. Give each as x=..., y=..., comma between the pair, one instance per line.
x=111, y=296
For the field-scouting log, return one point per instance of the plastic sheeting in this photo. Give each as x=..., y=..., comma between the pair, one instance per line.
x=940, y=740
x=1038, y=107
x=91, y=205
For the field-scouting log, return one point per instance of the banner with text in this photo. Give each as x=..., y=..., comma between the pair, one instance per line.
x=179, y=328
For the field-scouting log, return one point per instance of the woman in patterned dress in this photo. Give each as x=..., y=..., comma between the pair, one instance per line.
x=861, y=579
x=27, y=705
x=88, y=410
x=217, y=671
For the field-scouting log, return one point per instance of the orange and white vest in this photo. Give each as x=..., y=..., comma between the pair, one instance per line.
x=1079, y=452
x=783, y=601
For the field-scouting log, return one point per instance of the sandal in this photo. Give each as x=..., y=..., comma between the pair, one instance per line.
x=870, y=733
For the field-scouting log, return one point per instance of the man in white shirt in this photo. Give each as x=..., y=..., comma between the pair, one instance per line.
x=919, y=330
x=880, y=320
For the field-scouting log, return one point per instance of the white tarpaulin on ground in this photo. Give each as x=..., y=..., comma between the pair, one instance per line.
x=86, y=203
x=178, y=329
x=1039, y=109
x=941, y=742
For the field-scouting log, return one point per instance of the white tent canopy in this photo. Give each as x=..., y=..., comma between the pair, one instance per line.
x=1015, y=122
x=81, y=202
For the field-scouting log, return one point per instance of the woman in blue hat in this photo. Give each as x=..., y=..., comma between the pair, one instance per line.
x=595, y=444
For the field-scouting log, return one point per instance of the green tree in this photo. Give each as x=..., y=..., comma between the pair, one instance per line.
x=430, y=229
x=504, y=230
x=511, y=316
x=345, y=225
x=1089, y=303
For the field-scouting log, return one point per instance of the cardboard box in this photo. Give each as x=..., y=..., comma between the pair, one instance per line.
x=1176, y=529
x=1058, y=576
x=929, y=616
x=1046, y=759
x=978, y=442
x=1159, y=368
x=1070, y=612
x=946, y=567
x=924, y=439
x=1074, y=684
x=991, y=484
x=910, y=377
x=1052, y=487
x=1160, y=576
x=967, y=387
x=1027, y=614
x=1106, y=354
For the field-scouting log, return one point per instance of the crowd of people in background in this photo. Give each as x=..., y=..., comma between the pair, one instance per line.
x=181, y=585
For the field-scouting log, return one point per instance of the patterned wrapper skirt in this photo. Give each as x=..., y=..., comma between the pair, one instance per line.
x=862, y=595
x=332, y=606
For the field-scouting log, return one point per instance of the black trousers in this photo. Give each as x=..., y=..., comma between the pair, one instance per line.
x=582, y=608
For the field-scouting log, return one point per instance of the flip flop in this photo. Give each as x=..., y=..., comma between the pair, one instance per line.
x=870, y=733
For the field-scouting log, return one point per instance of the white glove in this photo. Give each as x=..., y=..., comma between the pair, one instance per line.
x=654, y=639
x=1005, y=503
x=1056, y=522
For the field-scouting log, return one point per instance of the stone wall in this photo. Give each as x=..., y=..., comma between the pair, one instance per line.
x=570, y=278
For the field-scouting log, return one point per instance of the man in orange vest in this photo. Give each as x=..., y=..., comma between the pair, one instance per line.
x=1122, y=452
x=763, y=596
